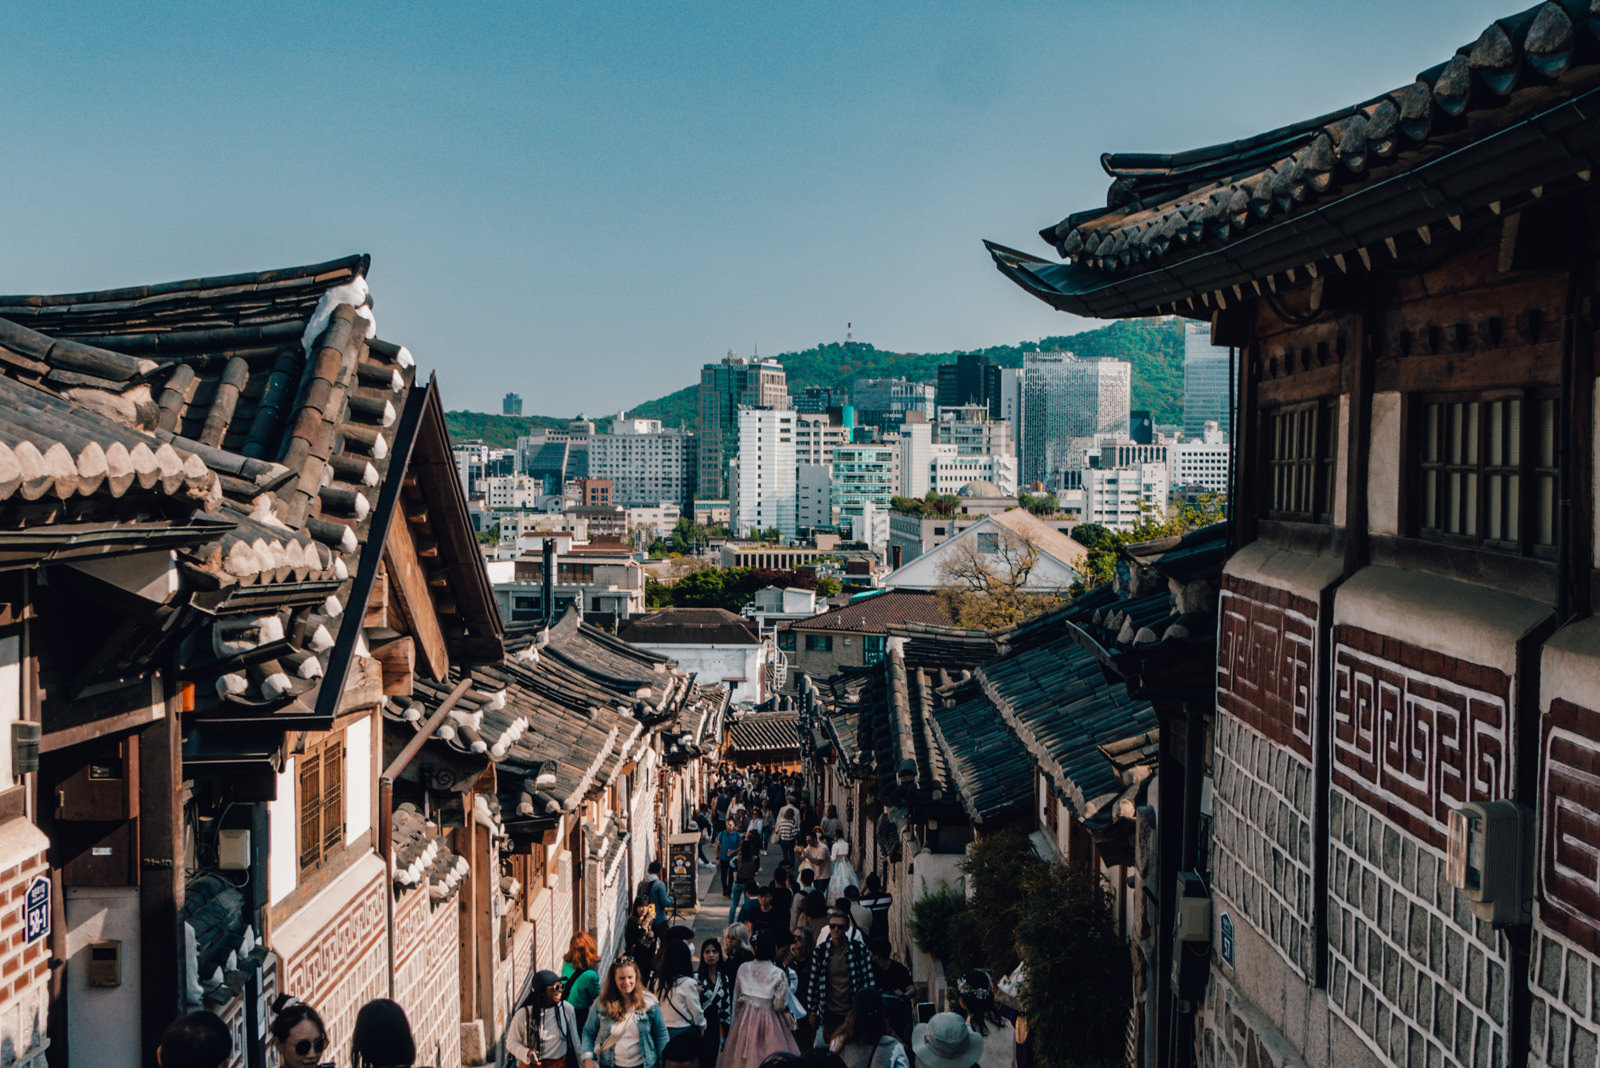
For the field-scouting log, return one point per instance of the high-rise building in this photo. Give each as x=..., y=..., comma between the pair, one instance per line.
x=813, y=495
x=1120, y=498
x=1011, y=401
x=1205, y=382
x=815, y=400
x=511, y=404
x=974, y=432
x=817, y=435
x=726, y=387
x=972, y=379
x=863, y=474
x=886, y=402
x=579, y=433
x=761, y=477
x=1203, y=462
x=645, y=463
x=1064, y=397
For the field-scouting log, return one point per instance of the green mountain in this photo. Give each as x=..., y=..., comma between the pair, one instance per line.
x=1153, y=346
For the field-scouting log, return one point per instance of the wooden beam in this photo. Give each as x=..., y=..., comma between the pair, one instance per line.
x=397, y=659
x=378, y=604
x=363, y=685
x=410, y=587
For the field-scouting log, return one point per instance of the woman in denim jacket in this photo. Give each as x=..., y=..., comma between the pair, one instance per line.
x=625, y=1028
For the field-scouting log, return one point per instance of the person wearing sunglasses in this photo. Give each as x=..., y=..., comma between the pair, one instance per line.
x=297, y=1033
x=841, y=968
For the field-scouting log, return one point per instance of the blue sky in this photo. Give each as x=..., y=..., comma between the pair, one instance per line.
x=583, y=202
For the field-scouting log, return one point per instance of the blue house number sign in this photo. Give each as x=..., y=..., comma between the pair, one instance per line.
x=1227, y=939
x=36, y=908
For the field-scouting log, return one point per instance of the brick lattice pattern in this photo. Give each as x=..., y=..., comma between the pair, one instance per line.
x=1261, y=841
x=1413, y=972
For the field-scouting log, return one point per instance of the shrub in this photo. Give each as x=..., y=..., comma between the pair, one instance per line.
x=942, y=927
x=1003, y=873
x=1080, y=971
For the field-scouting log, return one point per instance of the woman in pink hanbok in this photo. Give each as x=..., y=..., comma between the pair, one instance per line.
x=762, y=1022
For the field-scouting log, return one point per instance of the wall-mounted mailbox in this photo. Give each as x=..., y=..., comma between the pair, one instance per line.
x=1490, y=859
x=105, y=963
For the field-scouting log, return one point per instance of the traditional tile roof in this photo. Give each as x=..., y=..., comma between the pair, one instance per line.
x=874, y=613
x=764, y=732
x=276, y=383
x=689, y=626
x=1062, y=708
x=422, y=855
x=993, y=772
x=1507, y=118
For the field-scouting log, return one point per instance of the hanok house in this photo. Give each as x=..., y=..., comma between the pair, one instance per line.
x=715, y=644
x=854, y=634
x=1402, y=863
x=548, y=781
x=91, y=513
x=238, y=857
x=768, y=739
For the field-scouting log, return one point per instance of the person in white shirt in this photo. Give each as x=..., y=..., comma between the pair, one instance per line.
x=545, y=1028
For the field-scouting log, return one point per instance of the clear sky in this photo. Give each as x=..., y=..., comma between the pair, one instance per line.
x=585, y=201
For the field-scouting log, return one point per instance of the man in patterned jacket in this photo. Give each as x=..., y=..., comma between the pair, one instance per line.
x=841, y=967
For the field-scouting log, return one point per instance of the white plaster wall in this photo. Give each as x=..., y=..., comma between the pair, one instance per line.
x=10, y=700
x=281, y=836
x=1383, y=465
x=357, y=780
x=93, y=914
x=1458, y=619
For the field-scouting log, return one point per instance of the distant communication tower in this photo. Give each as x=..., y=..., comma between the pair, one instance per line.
x=847, y=327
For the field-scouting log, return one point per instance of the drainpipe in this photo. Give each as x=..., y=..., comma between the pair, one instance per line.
x=386, y=808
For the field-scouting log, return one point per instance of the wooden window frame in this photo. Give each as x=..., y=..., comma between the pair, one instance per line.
x=1299, y=475
x=326, y=819
x=1529, y=460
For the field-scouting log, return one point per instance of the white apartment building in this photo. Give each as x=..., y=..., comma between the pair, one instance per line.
x=1011, y=402
x=815, y=438
x=761, y=480
x=657, y=520
x=512, y=492
x=645, y=463
x=865, y=473
x=948, y=470
x=916, y=454
x=813, y=497
x=1203, y=462
x=970, y=429
x=1120, y=497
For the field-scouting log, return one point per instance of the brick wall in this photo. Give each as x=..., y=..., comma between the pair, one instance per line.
x=344, y=965
x=1262, y=776
x=1415, y=733
x=24, y=971
x=428, y=974
x=1566, y=930
x=1261, y=839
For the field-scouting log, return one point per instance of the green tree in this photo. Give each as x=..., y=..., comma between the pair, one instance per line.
x=827, y=586
x=1040, y=503
x=491, y=536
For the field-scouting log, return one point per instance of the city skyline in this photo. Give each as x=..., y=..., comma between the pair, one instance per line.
x=747, y=172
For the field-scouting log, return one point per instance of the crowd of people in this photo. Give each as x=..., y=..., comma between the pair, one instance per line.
x=802, y=976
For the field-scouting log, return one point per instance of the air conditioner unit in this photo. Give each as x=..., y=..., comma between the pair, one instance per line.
x=1490, y=859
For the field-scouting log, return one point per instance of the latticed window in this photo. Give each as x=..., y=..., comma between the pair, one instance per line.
x=1300, y=467
x=321, y=800
x=872, y=647
x=1486, y=470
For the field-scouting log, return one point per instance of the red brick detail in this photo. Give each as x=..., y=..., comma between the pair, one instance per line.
x=1267, y=661
x=1415, y=732
x=1569, y=822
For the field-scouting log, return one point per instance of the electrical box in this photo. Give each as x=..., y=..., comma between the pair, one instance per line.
x=105, y=963
x=1194, y=909
x=233, y=849
x=24, y=748
x=1490, y=859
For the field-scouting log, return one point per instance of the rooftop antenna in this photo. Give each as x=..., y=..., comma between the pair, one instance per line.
x=847, y=327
